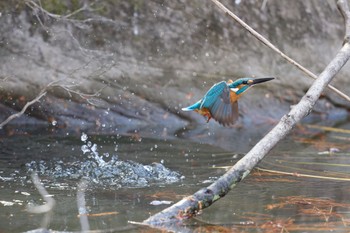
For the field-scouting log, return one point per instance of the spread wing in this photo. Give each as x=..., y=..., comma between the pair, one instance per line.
x=213, y=94
x=218, y=101
x=224, y=112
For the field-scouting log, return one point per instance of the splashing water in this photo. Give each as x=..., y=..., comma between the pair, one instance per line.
x=105, y=169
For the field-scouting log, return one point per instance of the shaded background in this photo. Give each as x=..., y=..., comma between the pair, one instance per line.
x=146, y=60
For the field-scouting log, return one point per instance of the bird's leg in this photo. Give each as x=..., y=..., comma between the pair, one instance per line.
x=209, y=117
x=206, y=113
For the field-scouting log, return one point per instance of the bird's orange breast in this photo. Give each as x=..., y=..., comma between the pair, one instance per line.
x=203, y=111
x=233, y=96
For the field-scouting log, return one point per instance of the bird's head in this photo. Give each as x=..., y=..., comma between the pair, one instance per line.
x=241, y=85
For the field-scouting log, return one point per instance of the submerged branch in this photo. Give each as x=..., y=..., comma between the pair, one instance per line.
x=191, y=205
x=304, y=175
x=84, y=221
x=50, y=202
x=45, y=208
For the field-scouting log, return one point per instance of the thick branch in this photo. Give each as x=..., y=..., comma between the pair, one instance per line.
x=203, y=198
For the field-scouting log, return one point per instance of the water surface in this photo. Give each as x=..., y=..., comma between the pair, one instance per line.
x=263, y=201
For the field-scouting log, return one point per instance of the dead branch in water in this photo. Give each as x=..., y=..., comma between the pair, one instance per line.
x=83, y=217
x=45, y=208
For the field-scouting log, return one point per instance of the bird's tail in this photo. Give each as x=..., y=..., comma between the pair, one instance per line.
x=192, y=107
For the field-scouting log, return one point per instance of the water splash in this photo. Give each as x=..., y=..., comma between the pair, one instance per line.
x=105, y=169
x=83, y=137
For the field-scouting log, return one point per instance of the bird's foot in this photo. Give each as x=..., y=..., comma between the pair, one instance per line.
x=208, y=117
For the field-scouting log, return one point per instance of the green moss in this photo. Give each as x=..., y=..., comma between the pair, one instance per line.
x=75, y=4
x=107, y=7
x=55, y=6
x=137, y=4
x=15, y=5
x=60, y=7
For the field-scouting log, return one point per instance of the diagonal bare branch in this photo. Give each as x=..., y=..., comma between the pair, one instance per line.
x=18, y=114
x=88, y=97
x=274, y=48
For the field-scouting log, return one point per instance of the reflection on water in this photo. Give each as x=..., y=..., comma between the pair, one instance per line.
x=263, y=201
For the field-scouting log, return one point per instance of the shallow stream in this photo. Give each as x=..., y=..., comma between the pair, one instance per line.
x=131, y=178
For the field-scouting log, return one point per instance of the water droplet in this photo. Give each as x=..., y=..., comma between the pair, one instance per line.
x=83, y=137
x=85, y=149
x=94, y=148
x=54, y=123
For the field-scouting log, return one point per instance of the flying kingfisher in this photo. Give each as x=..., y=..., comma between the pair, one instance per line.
x=220, y=102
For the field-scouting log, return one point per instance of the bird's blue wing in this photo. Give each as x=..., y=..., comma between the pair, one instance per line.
x=213, y=94
x=225, y=113
x=193, y=106
x=218, y=101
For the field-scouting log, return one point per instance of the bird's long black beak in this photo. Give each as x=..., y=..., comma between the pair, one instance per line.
x=260, y=80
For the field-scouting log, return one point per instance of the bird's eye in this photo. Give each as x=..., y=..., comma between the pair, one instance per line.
x=245, y=82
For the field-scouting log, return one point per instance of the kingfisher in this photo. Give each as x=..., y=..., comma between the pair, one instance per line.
x=220, y=102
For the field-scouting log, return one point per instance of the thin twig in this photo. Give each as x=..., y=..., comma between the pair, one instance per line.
x=274, y=48
x=33, y=5
x=13, y=116
x=304, y=175
x=88, y=97
x=43, y=92
x=4, y=79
